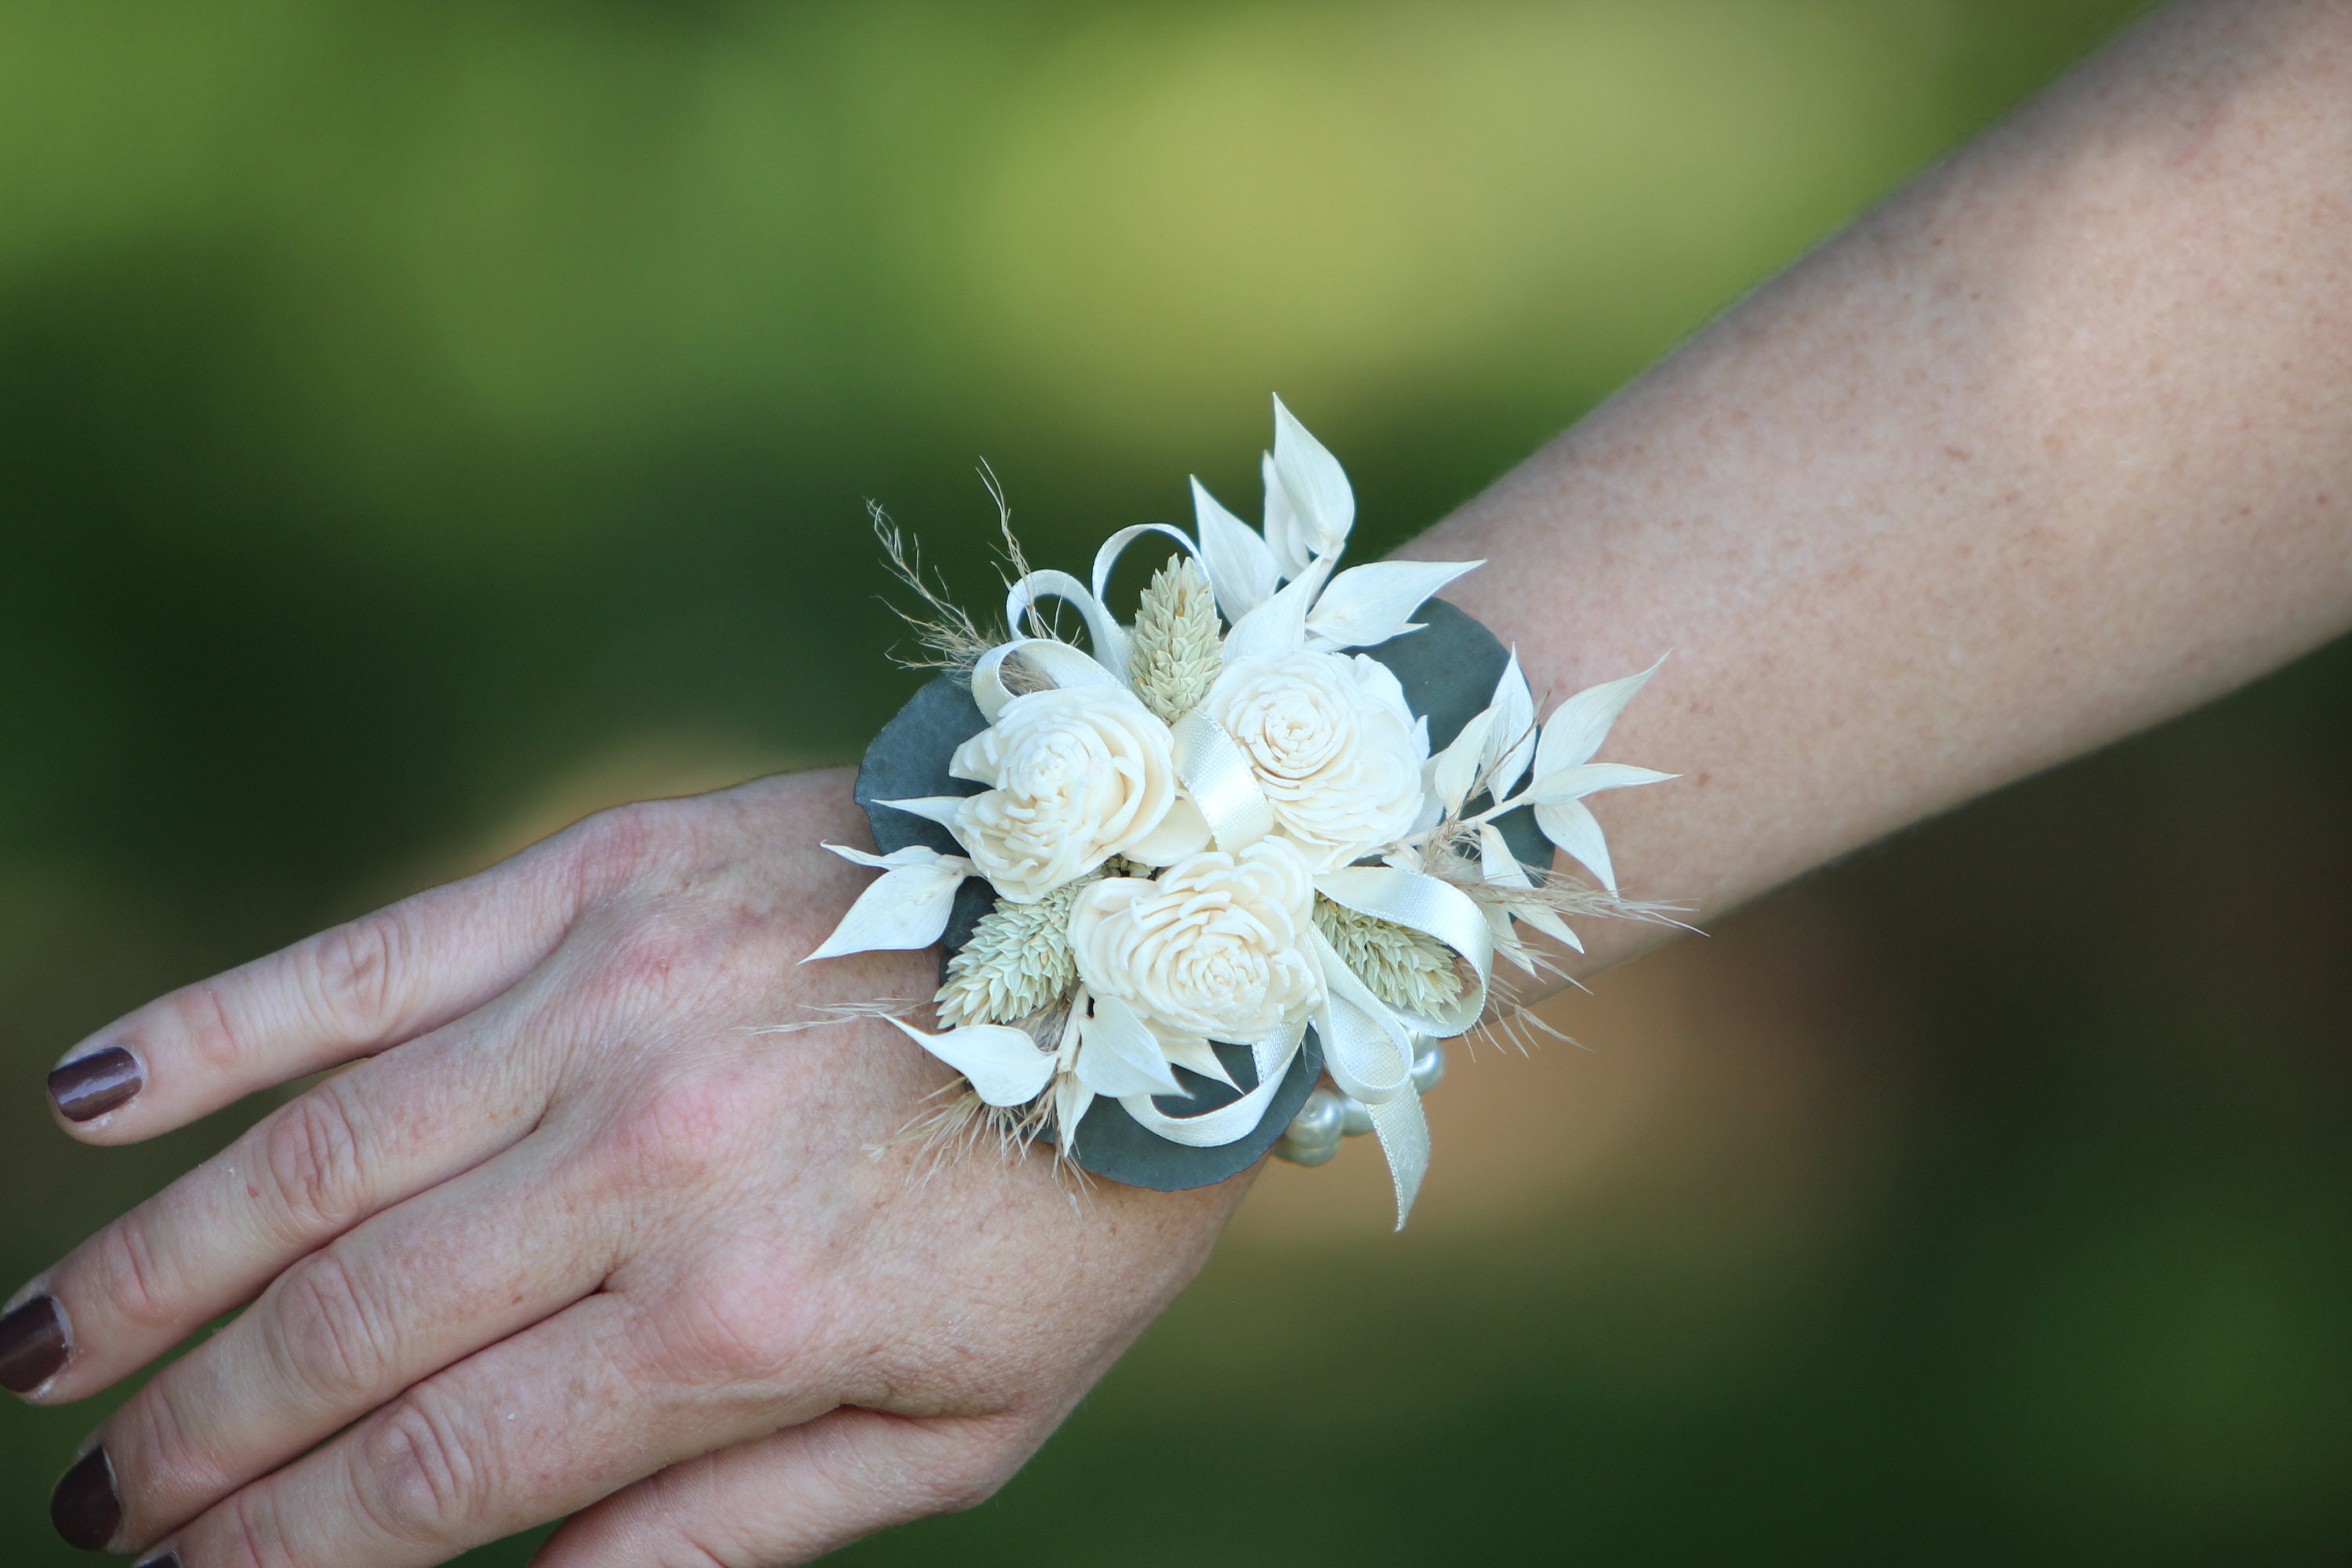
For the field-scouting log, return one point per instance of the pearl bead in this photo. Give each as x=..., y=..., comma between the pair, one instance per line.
x=1328, y=1116
x=1321, y=1154
x=1319, y=1120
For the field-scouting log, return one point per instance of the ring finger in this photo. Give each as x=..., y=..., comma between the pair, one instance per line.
x=336, y=1335
x=347, y=1149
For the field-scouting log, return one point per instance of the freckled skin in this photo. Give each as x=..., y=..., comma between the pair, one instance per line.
x=2077, y=405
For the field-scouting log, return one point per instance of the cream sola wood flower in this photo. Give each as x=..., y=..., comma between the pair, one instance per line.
x=1215, y=949
x=1280, y=847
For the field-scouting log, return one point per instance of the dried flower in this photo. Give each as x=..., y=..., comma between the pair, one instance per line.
x=1213, y=950
x=1404, y=968
x=1333, y=745
x=1177, y=647
x=1017, y=963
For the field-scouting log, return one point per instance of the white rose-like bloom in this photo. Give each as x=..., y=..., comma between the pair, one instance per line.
x=1214, y=949
x=1333, y=745
x=1076, y=776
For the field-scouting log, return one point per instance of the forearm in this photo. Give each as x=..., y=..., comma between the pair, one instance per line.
x=2055, y=445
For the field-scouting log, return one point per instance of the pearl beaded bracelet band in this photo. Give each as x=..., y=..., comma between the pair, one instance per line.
x=1217, y=884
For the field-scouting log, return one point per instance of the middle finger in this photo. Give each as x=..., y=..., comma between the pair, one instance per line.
x=406, y=1294
x=349, y=1148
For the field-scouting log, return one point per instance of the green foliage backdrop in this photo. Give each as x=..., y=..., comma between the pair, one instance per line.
x=419, y=420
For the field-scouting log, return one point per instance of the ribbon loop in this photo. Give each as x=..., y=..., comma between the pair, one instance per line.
x=1230, y=1121
x=1059, y=662
x=1367, y=1048
x=1367, y=1045
x=1108, y=556
x=1436, y=909
x=1110, y=639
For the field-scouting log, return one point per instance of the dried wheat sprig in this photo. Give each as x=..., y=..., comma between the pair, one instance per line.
x=1404, y=967
x=948, y=637
x=1016, y=962
x=1177, y=651
x=846, y=1012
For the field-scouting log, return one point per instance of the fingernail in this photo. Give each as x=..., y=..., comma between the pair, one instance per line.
x=32, y=1345
x=169, y=1560
x=85, y=1507
x=95, y=1084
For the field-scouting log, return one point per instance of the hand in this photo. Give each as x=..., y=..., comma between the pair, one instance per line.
x=576, y=1236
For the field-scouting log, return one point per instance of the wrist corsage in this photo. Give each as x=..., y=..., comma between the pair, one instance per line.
x=1271, y=832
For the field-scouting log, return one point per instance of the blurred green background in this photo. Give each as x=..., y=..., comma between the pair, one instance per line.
x=423, y=422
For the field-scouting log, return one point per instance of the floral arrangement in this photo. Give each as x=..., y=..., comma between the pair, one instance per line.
x=1275, y=828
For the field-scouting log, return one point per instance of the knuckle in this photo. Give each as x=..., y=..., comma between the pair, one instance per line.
x=725, y=1331
x=129, y=1274
x=420, y=1478
x=207, y=1029
x=612, y=846
x=953, y=1471
x=248, y=1532
x=650, y=963
x=311, y=1154
x=684, y=1131
x=969, y=1481
x=353, y=970
x=154, y=1461
x=331, y=1336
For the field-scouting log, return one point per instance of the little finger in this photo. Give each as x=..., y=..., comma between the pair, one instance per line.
x=795, y=1496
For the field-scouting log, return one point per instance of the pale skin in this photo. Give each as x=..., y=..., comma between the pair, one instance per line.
x=2055, y=445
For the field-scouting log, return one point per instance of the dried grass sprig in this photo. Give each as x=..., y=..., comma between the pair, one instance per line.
x=944, y=630
x=1177, y=652
x=1017, y=962
x=1404, y=967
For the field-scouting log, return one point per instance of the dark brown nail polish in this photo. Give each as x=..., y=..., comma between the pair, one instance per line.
x=93, y=1085
x=32, y=1345
x=85, y=1507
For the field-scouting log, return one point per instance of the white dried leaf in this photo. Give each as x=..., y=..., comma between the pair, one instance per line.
x=1511, y=744
x=1591, y=778
x=1368, y=604
x=908, y=908
x=1578, y=726
x=1455, y=769
x=1004, y=1064
x=1570, y=825
x=1502, y=869
x=1279, y=625
x=1242, y=569
x=1317, y=508
x=1118, y=1055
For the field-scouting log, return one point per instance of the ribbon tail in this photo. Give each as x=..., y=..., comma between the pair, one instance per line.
x=1367, y=1046
x=1404, y=1141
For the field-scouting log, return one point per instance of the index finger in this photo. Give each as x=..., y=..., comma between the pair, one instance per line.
x=357, y=989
